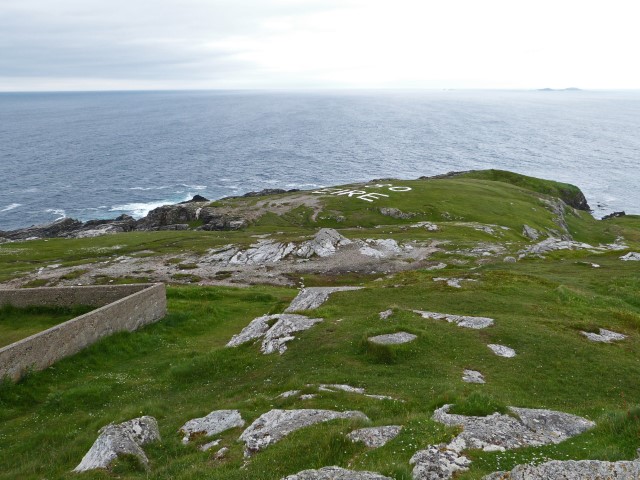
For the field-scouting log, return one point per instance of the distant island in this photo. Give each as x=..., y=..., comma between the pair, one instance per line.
x=570, y=89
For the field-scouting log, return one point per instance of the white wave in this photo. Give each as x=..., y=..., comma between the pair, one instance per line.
x=194, y=187
x=140, y=209
x=162, y=187
x=60, y=213
x=11, y=207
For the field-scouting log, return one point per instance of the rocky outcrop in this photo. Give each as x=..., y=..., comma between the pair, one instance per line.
x=472, y=376
x=438, y=462
x=631, y=257
x=502, y=351
x=312, y=297
x=216, y=422
x=530, y=232
x=335, y=473
x=604, y=336
x=395, y=213
x=614, y=215
x=572, y=470
x=276, y=330
x=274, y=425
x=464, y=321
x=393, y=338
x=375, y=437
x=126, y=438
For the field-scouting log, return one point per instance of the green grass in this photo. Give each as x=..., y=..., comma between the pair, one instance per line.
x=179, y=369
x=18, y=323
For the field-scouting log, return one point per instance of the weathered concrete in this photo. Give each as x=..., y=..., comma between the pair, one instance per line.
x=572, y=470
x=126, y=307
x=125, y=438
x=374, y=437
x=335, y=473
x=274, y=425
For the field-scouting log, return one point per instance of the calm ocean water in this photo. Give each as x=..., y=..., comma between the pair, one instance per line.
x=97, y=155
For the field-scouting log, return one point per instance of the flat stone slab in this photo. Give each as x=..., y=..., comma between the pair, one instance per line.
x=572, y=470
x=393, y=338
x=605, y=336
x=335, y=473
x=472, y=376
x=311, y=298
x=499, y=432
x=438, y=462
x=631, y=257
x=216, y=422
x=374, y=437
x=276, y=330
x=124, y=438
x=502, y=351
x=274, y=425
x=460, y=320
x=349, y=389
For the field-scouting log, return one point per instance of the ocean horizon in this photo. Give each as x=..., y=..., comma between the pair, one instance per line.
x=90, y=155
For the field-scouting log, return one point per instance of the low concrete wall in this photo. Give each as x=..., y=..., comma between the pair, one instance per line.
x=125, y=307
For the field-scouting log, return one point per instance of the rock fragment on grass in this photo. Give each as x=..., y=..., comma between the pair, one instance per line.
x=208, y=446
x=274, y=425
x=393, y=338
x=453, y=282
x=125, y=438
x=502, y=351
x=336, y=473
x=375, y=437
x=631, y=256
x=605, y=336
x=312, y=297
x=438, y=462
x=460, y=320
x=472, y=376
x=214, y=423
x=572, y=470
x=386, y=314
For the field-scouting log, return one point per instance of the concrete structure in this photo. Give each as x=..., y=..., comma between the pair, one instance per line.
x=121, y=307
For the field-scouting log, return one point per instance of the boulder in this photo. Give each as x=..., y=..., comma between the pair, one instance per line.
x=274, y=425
x=125, y=438
x=335, y=473
x=472, y=376
x=502, y=351
x=438, y=462
x=216, y=422
x=631, y=256
x=375, y=437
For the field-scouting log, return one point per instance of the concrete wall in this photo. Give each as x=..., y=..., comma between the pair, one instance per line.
x=141, y=305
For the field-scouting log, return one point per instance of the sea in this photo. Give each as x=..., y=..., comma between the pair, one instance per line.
x=99, y=155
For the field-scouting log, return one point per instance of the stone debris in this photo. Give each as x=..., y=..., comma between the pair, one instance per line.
x=274, y=425
x=572, y=470
x=438, y=462
x=374, y=437
x=209, y=446
x=395, y=213
x=509, y=259
x=432, y=227
x=453, y=282
x=386, y=314
x=275, y=336
x=214, y=423
x=393, y=338
x=438, y=266
x=502, y=351
x=311, y=298
x=381, y=248
x=124, y=438
x=308, y=396
x=460, y=320
x=324, y=244
x=631, y=256
x=335, y=473
x=605, y=336
x=289, y=393
x=531, y=233
x=499, y=432
x=553, y=244
x=472, y=376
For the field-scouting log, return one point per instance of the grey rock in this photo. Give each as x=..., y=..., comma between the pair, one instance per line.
x=438, y=462
x=432, y=227
x=208, y=446
x=289, y=393
x=472, y=376
x=498, y=432
x=308, y=396
x=220, y=454
x=125, y=438
x=257, y=328
x=274, y=425
x=349, y=389
x=380, y=248
x=386, y=314
x=605, y=336
x=216, y=422
x=453, y=282
x=374, y=437
x=393, y=338
x=502, y=351
x=464, y=321
x=510, y=260
x=530, y=233
x=324, y=244
x=263, y=252
x=572, y=470
x=438, y=266
x=631, y=256
x=335, y=473
x=312, y=297
x=395, y=213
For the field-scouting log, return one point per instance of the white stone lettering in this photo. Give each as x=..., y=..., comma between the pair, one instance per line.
x=400, y=189
x=370, y=197
x=351, y=193
x=361, y=194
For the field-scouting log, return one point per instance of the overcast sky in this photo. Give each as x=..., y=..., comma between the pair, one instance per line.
x=171, y=44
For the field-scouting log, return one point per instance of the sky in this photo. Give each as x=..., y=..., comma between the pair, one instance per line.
x=53, y=45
